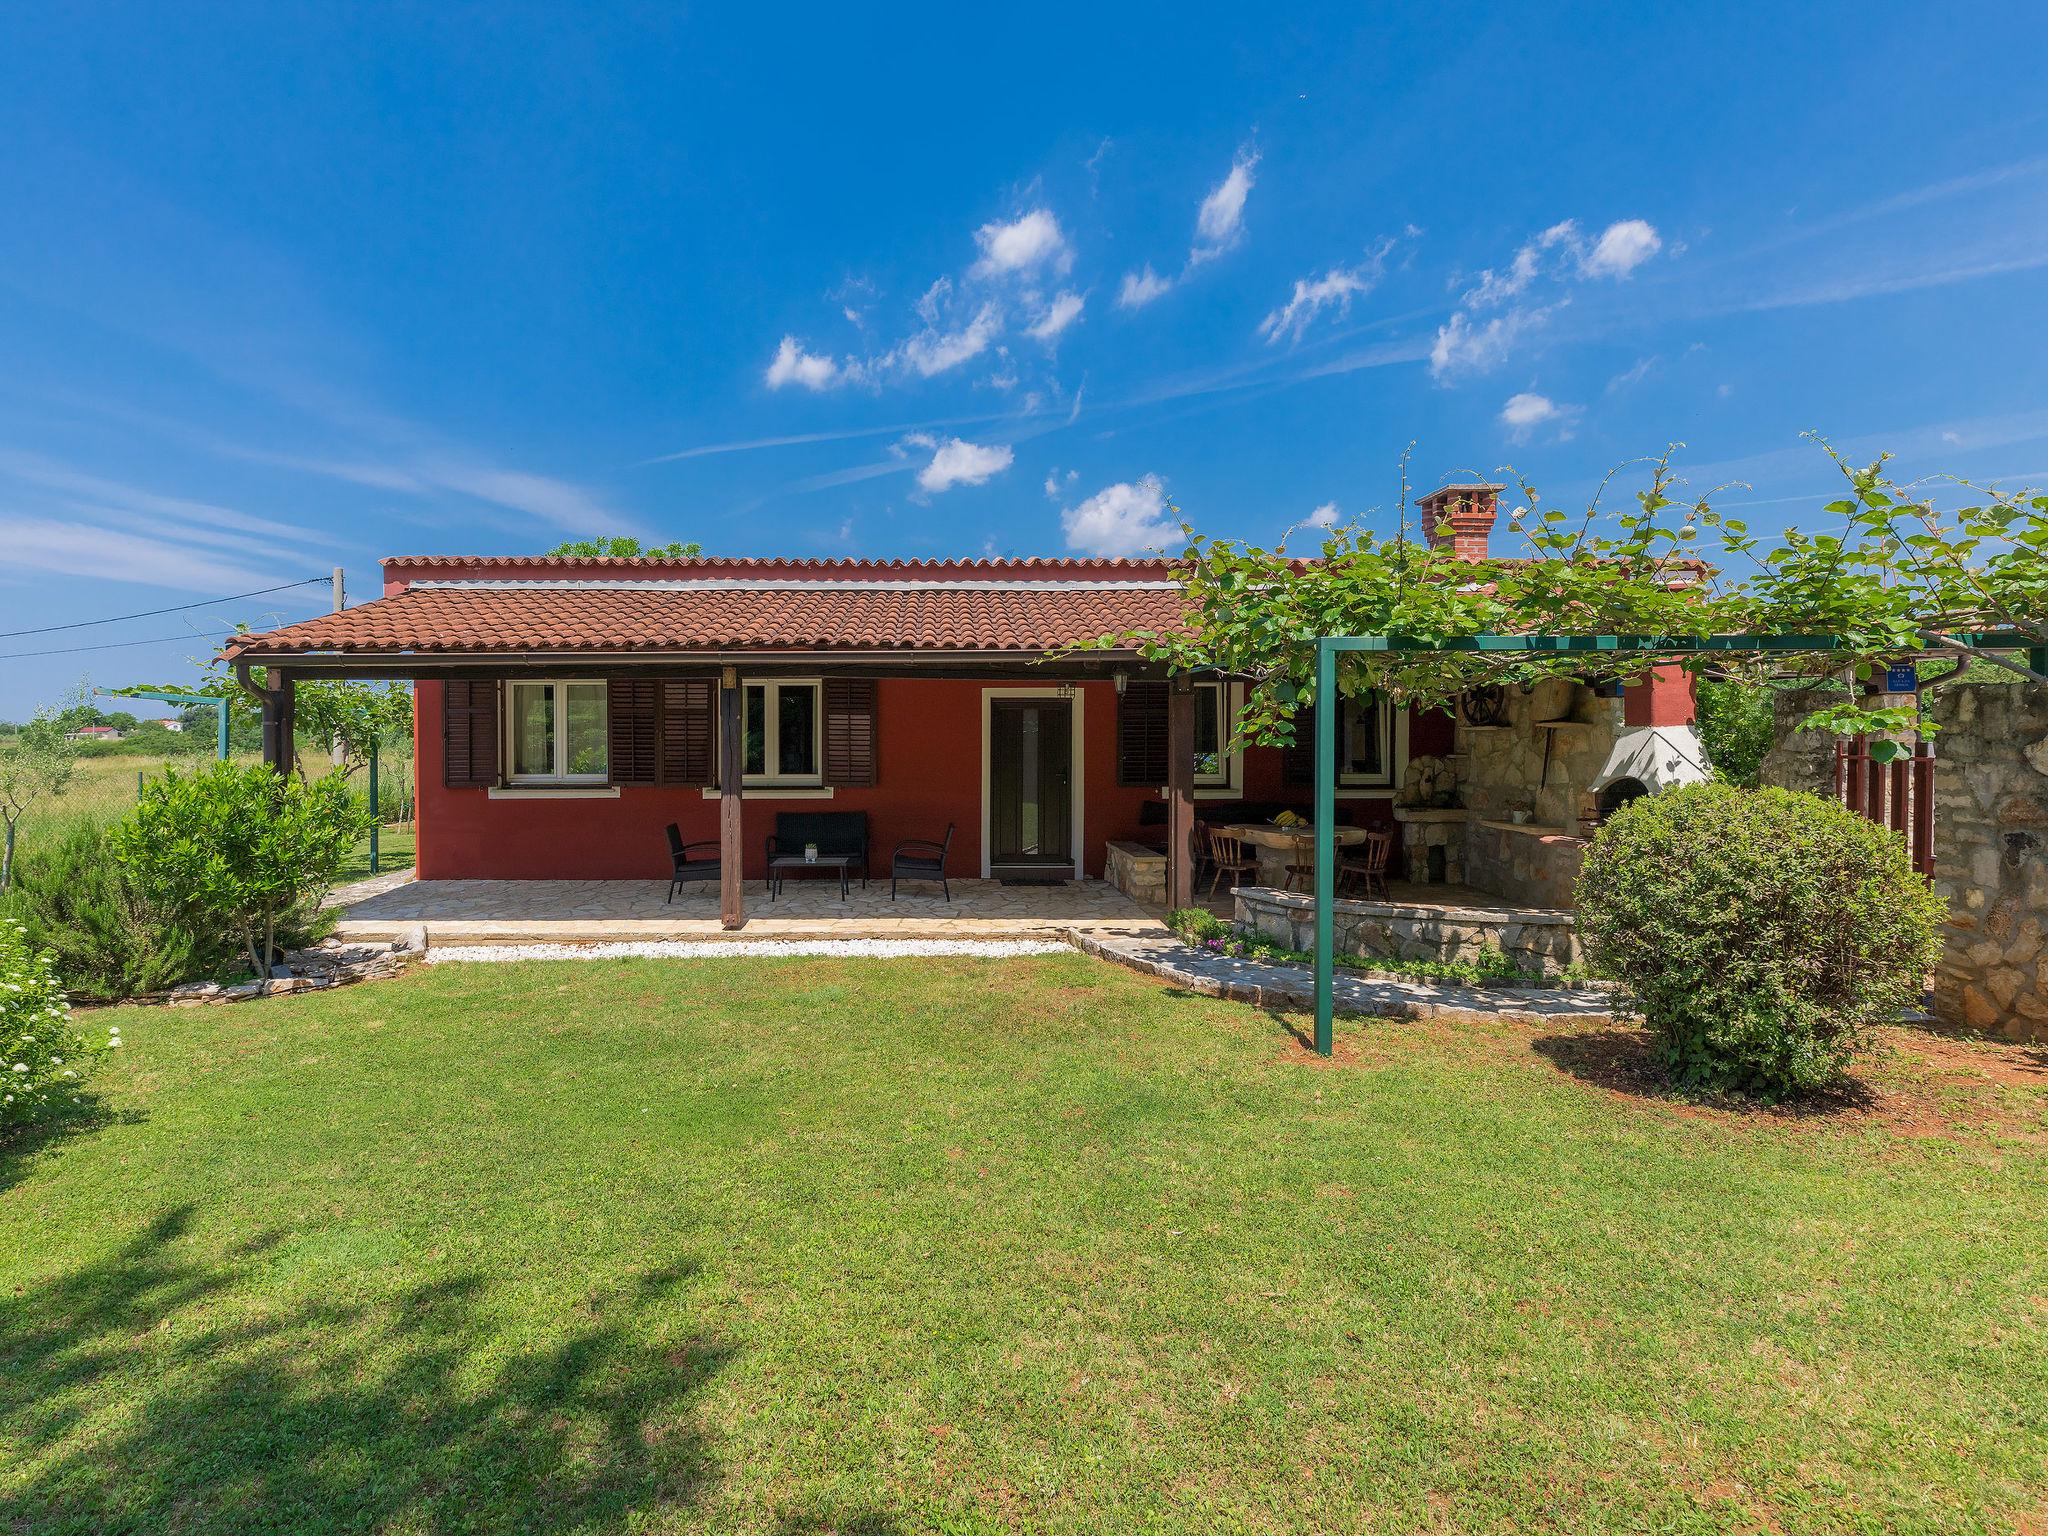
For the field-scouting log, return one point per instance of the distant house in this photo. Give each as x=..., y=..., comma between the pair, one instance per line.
x=175, y=727
x=95, y=733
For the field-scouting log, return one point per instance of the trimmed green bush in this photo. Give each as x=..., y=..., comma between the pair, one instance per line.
x=44, y=1056
x=1757, y=931
x=77, y=904
x=239, y=854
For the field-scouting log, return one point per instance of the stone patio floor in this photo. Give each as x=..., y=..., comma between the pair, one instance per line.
x=590, y=911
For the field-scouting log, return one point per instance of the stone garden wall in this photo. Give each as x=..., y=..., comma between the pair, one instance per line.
x=1542, y=943
x=1991, y=856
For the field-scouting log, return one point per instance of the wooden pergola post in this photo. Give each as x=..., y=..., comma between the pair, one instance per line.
x=279, y=705
x=732, y=910
x=1180, y=794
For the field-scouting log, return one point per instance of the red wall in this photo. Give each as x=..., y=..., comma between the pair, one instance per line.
x=929, y=772
x=1665, y=697
x=928, y=732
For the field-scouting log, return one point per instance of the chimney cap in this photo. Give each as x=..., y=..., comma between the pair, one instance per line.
x=1459, y=487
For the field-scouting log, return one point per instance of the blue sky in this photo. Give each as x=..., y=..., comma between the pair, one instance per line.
x=290, y=286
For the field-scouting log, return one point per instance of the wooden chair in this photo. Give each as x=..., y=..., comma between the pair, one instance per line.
x=1205, y=855
x=685, y=870
x=1367, y=862
x=1301, y=863
x=919, y=858
x=1227, y=854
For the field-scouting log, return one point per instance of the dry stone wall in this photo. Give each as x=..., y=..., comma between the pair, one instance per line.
x=1991, y=856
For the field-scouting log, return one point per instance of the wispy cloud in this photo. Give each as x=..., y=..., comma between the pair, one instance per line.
x=1528, y=413
x=1219, y=222
x=70, y=548
x=1629, y=377
x=1334, y=290
x=1142, y=287
x=33, y=469
x=1553, y=258
x=1062, y=312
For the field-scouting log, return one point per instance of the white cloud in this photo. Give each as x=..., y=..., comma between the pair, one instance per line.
x=1462, y=347
x=1498, y=287
x=1027, y=243
x=1141, y=288
x=72, y=548
x=958, y=462
x=1220, y=221
x=1622, y=247
x=552, y=501
x=1064, y=310
x=1334, y=289
x=1123, y=519
x=1055, y=485
x=934, y=350
x=793, y=365
x=1951, y=437
x=1525, y=414
x=1629, y=377
x=1324, y=516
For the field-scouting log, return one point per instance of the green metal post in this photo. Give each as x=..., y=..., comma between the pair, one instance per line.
x=376, y=808
x=221, y=747
x=1326, y=843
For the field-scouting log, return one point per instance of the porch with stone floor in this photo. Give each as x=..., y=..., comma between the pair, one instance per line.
x=594, y=911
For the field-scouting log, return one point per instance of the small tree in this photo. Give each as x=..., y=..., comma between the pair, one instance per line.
x=36, y=763
x=1758, y=932
x=241, y=852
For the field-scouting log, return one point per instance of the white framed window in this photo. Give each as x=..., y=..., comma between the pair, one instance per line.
x=556, y=733
x=1365, y=740
x=784, y=725
x=1216, y=761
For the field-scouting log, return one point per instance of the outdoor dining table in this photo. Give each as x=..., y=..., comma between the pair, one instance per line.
x=1273, y=845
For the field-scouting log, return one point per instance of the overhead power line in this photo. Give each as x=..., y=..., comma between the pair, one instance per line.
x=112, y=645
x=150, y=613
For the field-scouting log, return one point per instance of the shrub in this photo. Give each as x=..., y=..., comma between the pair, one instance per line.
x=43, y=1055
x=240, y=854
x=79, y=905
x=1757, y=931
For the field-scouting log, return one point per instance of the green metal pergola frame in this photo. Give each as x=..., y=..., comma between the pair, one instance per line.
x=1674, y=648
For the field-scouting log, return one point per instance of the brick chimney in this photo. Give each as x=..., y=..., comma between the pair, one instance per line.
x=1461, y=516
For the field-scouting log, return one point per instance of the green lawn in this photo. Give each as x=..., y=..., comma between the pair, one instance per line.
x=972, y=1245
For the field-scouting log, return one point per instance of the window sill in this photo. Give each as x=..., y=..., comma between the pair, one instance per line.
x=777, y=792
x=553, y=792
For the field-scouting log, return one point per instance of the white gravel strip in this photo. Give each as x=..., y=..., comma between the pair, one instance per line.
x=750, y=949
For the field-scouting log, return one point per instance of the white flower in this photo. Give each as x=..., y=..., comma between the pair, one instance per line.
x=21, y=1066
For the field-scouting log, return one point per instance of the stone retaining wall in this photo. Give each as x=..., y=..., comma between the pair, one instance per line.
x=1991, y=856
x=1543, y=942
x=1139, y=872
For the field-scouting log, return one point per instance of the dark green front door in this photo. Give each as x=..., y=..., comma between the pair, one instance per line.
x=1030, y=785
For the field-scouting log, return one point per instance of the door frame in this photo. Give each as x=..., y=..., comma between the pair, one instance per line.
x=1077, y=698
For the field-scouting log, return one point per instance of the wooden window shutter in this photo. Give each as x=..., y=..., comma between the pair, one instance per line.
x=1141, y=734
x=849, y=730
x=633, y=729
x=688, y=731
x=469, y=734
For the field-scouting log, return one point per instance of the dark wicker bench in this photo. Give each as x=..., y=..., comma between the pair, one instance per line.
x=838, y=834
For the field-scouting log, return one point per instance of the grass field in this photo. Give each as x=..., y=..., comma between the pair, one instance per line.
x=105, y=789
x=966, y=1246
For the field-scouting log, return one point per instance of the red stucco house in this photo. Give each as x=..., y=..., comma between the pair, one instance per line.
x=569, y=709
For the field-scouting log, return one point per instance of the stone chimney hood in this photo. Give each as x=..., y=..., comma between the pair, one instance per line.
x=1656, y=757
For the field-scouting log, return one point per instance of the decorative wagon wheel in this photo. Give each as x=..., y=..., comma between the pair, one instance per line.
x=1484, y=705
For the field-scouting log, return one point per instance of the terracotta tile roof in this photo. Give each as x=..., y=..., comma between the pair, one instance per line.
x=481, y=618
x=744, y=564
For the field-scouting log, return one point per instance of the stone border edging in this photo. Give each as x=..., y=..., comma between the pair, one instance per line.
x=1264, y=985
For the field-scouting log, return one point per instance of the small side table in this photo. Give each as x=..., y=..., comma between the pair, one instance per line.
x=778, y=867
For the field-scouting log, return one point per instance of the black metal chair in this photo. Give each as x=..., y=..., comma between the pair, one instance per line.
x=685, y=870
x=919, y=858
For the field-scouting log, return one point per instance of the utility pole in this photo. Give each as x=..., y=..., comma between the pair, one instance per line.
x=340, y=592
